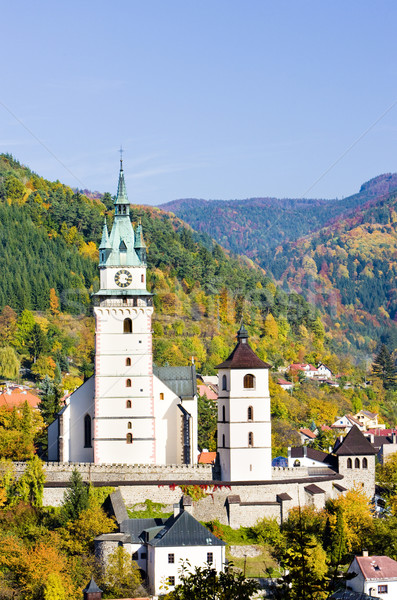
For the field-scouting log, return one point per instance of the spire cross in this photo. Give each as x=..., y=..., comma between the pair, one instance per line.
x=121, y=156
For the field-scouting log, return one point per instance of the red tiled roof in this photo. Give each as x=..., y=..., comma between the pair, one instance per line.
x=208, y=391
x=377, y=567
x=382, y=432
x=308, y=433
x=206, y=458
x=18, y=397
x=325, y=428
x=284, y=382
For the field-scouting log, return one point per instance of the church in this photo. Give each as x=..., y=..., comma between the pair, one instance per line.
x=129, y=411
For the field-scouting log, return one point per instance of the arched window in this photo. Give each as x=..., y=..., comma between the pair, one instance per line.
x=87, y=432
x=249, y=381
x=365, y=463
x=128, y=383
x=250, y=413
x=250, y=439
x=223, y=414
x=127, y=362
x=161, y=395
x=297, y=463
x=349, y=463
x=129, y=426
x=128, y=404
x=142, y=278
x=224, y=382
x=357, y=463
x=127, y=326
x=129, y=438
x=223, y=441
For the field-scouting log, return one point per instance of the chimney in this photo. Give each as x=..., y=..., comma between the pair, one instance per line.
x=92, y=591
x=177, y=509
x=304, y=451
x=393, y=438
x=365, y=552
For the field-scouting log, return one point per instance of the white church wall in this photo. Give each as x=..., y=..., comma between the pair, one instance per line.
x=81, y=403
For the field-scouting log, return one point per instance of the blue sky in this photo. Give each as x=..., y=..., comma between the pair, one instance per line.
x=210, y=99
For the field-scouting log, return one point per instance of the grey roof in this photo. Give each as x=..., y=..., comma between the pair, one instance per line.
x=314, y=489
x=114, y=537
x=92, y=587
x=136, y=527
x=114, y=506
x=181, y=380
x=351, y=595
x=184, y=530
x=312, y=453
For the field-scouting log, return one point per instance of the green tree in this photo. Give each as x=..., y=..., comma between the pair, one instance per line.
x=30, y=486
x=207, y=423
x=205, y=583
x=75, y=499
x=122, y=577
x=9, y=363
x=384, y=368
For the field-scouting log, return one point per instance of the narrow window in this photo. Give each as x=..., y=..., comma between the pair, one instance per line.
x=128, y=383
x=142, y=278
x=224, y=382
x=223, y=414
x=250, y=413
x=365, y=463
x=223, y=441
x=357, y=463
x=127, y=362
x=128, y=404
x=210, y=557
x=349, y=463
x=382, y=589
x=171, y=558
x=250, y=439
x=171, y=580
x=87, y=431
x=125, y=300
x=129, y=438
x=161, y=396
x=127, y=326
x=129, y=426
x=249, y=382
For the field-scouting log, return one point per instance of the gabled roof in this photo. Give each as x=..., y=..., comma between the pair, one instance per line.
x=181, y=380
x=308, y=433
x=243, y=356
x=184, y=530
x=206, y=458
x=18, y=397
x=311, y=453
x=376, y=568
x=136, y=527
x=355, y=443
x=115, y=506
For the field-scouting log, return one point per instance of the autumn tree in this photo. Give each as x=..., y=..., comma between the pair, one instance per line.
x=9, y=363
x=54, y=302
x=122, y=577
x=8, y=325
x=30, y=486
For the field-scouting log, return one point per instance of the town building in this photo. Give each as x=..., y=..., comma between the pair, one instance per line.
x=375, y=576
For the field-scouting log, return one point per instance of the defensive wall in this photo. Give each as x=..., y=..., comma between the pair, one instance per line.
x=233, y=503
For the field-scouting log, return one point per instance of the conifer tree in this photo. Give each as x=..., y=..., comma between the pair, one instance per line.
x=384, y=368
x=76, y=498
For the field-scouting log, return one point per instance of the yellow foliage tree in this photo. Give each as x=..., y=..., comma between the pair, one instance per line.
x=54, y=302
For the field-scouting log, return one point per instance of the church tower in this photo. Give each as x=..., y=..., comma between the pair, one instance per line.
x=124, y=415
x=244, y=432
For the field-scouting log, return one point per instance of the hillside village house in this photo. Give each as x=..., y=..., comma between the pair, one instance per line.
x=375, y=576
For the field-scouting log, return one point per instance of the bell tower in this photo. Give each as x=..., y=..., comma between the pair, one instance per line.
x=124, y=420
x=244, y=432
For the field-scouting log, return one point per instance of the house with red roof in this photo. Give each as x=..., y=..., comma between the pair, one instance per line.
x=286, y=385
x=206, y=458
x=17, y=397
x=306, y=435
x=375, y=576
x=345, y=423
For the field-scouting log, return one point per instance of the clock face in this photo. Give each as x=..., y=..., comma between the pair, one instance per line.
x=123, y=278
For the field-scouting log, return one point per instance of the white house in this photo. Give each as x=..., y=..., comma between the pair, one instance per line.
x=302, y=456
x=162, y=546
x=346, y=422
x=323, y=372
x=130, y=411
x=375, y=576
x=244, y=431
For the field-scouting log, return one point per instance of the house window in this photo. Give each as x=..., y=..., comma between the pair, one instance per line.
x=382, y=589
x=143, y=555
x=161, y=396
x=249, y=381
x=357, y=463
x=223, y=414
x=210, y=557
x=129, y=426
x=129, y=438
x=224, y=382
x=250, y=439
x=223, y=441
x=365, y=463
x=127, y=362
x=87, y=431
x=171, y=558
x=128, y=383
x=297, y=463
x=142, y=278
x=171, y=580
x=128, y=404
x=127, y=326
x=349, y=463
x=250, y=414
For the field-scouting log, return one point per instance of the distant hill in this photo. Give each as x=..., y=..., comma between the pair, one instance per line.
x=254, y=225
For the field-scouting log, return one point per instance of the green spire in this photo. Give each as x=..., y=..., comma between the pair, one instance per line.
x=105, y=243
x=122, y=197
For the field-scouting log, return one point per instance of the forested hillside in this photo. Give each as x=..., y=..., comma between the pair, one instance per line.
x=256, y=225
x=49, y=239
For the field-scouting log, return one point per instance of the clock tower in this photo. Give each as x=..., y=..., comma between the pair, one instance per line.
x=124, y=415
